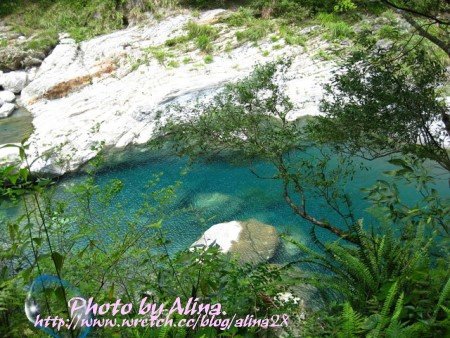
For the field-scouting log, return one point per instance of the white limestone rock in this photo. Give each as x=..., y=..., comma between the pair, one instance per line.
x=101, y=91
x=250, y=241
x=224, y=235
x=10, y=155
x=6, y=110
x=14, y=81
x=7, y=96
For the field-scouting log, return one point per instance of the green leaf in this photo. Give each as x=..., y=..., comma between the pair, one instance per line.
x=398, y=162
x=58, y=260
x=37, y=240
x=156, y=225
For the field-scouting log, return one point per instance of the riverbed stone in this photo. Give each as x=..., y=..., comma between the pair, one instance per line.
x=6, y=110
x=218, y=205
x=14, y=81
x=250, y=241
x=7, y=96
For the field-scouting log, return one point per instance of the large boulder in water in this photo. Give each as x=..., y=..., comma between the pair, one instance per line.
x=251, y=241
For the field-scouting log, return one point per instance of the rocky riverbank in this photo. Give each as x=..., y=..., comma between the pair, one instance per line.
x=111, y=89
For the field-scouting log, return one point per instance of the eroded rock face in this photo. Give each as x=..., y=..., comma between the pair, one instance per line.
x=251, y=241
x=111, y=89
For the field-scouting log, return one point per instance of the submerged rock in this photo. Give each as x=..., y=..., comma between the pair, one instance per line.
x=217, y=205
x=211, y=200
x=251, y=241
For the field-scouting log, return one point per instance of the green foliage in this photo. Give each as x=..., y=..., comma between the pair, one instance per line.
x=209, y=59
x=336, y=27
x=261, y=131
x=241, y=17
x=381, y=104
x=352, y=322
x=161, y=54
x=254, y=28
x=203, y=3
x=393, y=285
x=431, y=212
x=255, y=32
x=381, y=273
x=81, y=19
x=387, y=279
x=60, y=234
x=202, y=35
x=292, y=37
x=291, y=10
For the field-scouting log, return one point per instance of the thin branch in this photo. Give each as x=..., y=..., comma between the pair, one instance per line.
x=338, y=232
x=416, y=13
x=423, y=32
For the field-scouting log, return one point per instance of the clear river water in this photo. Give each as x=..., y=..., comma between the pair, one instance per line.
x=223, y=192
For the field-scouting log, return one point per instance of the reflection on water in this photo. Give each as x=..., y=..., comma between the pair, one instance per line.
x=15, y=128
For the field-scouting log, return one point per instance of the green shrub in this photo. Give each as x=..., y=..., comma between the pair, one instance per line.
x=241, y=17
x=209, y=59
x=204, y=3
x=337, y=28
x=202, y=35
x=287, y=9
x=257, y=30
x=291, y=36
x=159, y=53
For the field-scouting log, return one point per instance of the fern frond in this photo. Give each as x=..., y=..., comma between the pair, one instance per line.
x=384, y=314
x=351, y=322
x=354, y=266
x=163, y=332
x=398, y=308
x=442, y=297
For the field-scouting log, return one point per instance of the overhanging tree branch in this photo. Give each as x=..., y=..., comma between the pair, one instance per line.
x=416, y=13
x=324, y=225
x=423, y=32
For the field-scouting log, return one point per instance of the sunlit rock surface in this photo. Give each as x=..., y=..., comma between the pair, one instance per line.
x=111, y=88
x=251, y=241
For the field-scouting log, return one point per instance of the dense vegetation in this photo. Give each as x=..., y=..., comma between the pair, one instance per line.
x=386, y=278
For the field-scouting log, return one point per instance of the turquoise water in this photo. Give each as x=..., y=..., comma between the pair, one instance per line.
x=221, y=192
x=15, y=128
